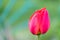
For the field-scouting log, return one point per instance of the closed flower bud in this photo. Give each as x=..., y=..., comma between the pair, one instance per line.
x=39, y=22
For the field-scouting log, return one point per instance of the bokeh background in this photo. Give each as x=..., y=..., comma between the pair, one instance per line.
x=15, y=14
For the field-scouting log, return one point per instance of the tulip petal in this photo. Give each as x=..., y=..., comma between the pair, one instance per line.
x=45, y=23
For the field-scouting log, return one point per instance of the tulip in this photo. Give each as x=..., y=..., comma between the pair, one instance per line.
x=39, y=22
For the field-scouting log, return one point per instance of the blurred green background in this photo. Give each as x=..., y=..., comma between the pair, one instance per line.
x=15, y=14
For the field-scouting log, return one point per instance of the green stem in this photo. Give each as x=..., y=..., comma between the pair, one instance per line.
x=38, y=37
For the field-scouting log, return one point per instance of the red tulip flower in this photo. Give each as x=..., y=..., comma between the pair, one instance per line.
x=39, y=22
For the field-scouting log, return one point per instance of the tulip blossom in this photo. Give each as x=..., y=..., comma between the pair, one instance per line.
x=39, y=22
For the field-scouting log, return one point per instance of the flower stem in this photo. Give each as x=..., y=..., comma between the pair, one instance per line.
x=38, y=37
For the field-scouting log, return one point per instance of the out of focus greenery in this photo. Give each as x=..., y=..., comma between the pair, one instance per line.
x=15, y=14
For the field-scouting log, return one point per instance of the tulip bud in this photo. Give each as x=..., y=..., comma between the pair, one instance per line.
x=39, y=22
